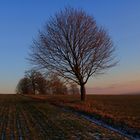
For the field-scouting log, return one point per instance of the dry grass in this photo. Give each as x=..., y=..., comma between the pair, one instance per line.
x=118, y=110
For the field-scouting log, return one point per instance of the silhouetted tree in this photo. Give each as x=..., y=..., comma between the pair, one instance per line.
x=73, y=45
x=56, y=86
x=31, y=75
x=33, y=82
x=37, y=81
x=24, y=86
x=41, y=84
x=74, y=89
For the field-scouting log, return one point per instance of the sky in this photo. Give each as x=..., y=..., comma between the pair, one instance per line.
x=20, y=21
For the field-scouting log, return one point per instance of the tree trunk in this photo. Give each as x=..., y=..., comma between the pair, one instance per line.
x=83, y=92
x=33, y=84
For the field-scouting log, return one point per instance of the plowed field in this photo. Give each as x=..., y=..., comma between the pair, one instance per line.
x=24, y=118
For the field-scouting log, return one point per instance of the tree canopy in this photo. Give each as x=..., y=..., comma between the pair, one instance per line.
x=74, y=46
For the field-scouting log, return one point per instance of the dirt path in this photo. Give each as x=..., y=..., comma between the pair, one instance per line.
x=100, y=123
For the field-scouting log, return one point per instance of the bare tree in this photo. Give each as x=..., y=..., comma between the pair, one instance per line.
x=24, y=86
x=56, y=86
x=41, y=83
x=74, y=89
x=31, y=75
x=38, y=82
x=72, y=45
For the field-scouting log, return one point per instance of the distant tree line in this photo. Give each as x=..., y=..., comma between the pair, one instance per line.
x=35, y=83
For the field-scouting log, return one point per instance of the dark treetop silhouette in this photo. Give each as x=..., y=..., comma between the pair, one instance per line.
x=72, y=45
x=31, y=83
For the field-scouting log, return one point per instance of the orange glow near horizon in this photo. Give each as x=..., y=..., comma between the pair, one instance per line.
x=118, y=88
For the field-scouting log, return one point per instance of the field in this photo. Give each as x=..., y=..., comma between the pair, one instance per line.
x=119, y=111
x=25, y=118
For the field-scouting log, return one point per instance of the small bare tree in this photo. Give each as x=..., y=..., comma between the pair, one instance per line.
x=72, y=45
x=24, y=86
x=31, y=74
x=37, y=81
x=74, y=90
x=56, y=86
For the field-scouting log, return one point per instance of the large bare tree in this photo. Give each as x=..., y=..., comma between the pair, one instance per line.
x=74, y=46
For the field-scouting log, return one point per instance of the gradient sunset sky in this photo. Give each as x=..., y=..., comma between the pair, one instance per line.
x=20, y=21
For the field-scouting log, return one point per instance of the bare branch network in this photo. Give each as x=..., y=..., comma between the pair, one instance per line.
x=72, y=45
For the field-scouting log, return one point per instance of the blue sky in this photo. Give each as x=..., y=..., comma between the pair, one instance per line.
x=20, y=21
